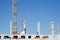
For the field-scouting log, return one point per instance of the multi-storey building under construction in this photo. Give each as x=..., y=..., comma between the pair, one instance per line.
x=14, y=35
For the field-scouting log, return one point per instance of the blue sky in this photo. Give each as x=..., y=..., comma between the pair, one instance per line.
x=33, y=11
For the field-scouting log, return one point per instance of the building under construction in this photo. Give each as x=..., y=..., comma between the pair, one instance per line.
x=14, y=35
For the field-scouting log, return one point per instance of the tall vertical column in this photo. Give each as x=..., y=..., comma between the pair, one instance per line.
x=14, y=17
x=23, y=31
x=38, y=27
x=58, y=28
x=22, y=18
x=51, y=28
x=24, y=24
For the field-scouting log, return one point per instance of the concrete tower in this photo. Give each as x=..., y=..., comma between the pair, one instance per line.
x=14, y=17
x=51, y=28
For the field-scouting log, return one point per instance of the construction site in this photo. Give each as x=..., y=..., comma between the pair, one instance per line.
x=15, y=35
